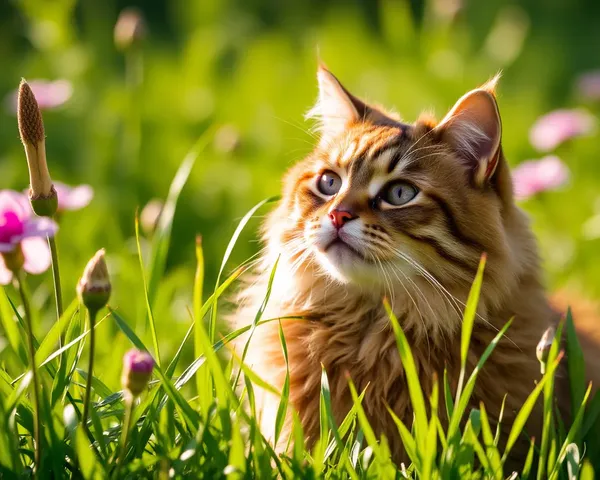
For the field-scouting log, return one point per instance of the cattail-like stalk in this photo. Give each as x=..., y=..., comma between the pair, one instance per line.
x=31, y=128
x=94, y=290
x=42, y=194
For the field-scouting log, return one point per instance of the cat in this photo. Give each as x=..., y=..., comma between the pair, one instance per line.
x=383, y=208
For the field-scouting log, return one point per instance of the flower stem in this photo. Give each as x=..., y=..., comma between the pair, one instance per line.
x=56, y=276
x=36, y=384
x=129, y=402
x=88, y=384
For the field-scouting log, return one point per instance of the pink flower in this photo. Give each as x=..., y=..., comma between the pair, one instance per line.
x=588, y=85
x=137, y=369
x=554, y=128
x=534, y=176
x=73, y=198
x=19, y=228
x=49, y=94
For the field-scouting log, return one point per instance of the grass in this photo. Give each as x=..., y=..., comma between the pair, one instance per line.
x=246, y=70
x=209, y=429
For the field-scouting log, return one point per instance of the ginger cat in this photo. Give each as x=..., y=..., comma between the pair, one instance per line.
x=387, y=208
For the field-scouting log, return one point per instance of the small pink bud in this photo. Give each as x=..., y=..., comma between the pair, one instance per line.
x=137, y=370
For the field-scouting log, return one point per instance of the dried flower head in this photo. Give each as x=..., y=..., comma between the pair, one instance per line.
x=31, y=128
x=137, y=369
x=94, y=285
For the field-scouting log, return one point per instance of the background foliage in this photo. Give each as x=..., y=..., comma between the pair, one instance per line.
x=248, y=67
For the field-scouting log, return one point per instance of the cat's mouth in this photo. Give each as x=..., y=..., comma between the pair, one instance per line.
x=338, y=243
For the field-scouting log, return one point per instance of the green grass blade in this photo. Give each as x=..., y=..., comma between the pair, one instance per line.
x=575, y=362
x=11, y=328
x=241, y=225
x=525, y=411
x=162, y=235
x=362, y=419
x=414, y=385
x=573, y=433
x=528, y=460
x=202, y=379
x=467, y=323
x=492, y=452
x=285, y=393
x=149, y=313
x=463, y=401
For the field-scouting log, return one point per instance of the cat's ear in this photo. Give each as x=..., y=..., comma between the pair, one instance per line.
x=336, y=108
x=473, y=128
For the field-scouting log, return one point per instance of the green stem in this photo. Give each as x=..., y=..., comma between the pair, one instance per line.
x=36, y=384
x=90, y=372
x=129, y=401
x=56, y=276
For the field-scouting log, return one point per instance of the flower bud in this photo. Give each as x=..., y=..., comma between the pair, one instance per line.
x=129, y=29
x=137, y=370
x=544, y=345
x=151, y=215
x=42, y=194
x=94, y=285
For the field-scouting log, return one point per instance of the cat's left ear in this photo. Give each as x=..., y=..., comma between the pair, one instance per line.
x=473, y=128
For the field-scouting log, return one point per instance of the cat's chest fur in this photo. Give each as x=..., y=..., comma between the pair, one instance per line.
x=350, y=336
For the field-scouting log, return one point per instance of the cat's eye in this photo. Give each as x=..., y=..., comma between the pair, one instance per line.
x=399, y=193
x=329, y=183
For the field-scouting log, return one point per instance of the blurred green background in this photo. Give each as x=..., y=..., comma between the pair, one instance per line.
x=248, y=67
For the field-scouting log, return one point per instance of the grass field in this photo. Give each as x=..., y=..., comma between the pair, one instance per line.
x=204, y=112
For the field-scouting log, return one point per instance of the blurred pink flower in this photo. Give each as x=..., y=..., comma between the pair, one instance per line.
x=19, y=228
x=137, y=369
x=49, y=94
x=588, y=85
x=534, y=176
x=555, y=127
x=73, y=198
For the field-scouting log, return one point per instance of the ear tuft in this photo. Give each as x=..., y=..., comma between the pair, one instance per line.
x=336, y=108
x=473, y=129
x=491, y=85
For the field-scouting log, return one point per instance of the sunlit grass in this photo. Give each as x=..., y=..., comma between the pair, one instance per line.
x=209, y=428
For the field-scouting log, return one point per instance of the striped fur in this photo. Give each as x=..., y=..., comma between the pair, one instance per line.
x=422, y=256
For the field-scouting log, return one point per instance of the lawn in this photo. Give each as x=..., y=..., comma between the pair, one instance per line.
x=197, y=114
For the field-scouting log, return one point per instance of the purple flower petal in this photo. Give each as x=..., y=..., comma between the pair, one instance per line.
x=5, y=274
x=534, y=176
x=40, y=227
x=138, y=361
x=16, y=202
x=11, y=227
x=554, y=128
x=37, y=255
x=588, y=85
x=49, y=94
x=73, y=198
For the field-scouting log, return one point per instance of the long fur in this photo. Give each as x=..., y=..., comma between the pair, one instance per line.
x=423, y=259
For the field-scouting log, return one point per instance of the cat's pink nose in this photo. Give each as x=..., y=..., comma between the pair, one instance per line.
x=340, y=217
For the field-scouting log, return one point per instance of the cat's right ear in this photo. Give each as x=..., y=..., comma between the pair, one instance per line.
x=336, y=108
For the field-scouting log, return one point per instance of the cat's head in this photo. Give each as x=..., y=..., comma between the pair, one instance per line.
x=380, y=200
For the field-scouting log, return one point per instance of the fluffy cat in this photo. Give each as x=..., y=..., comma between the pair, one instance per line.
x=386, y=208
